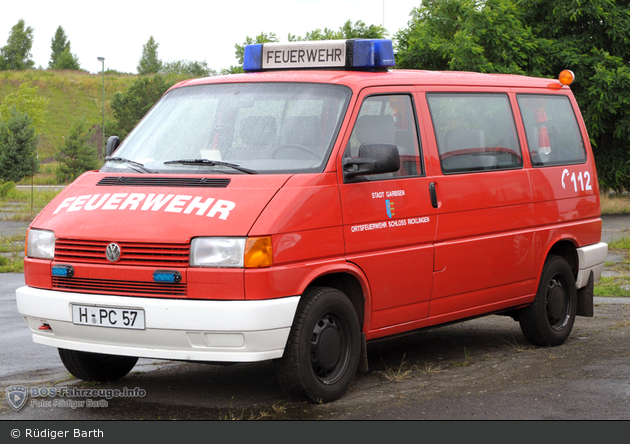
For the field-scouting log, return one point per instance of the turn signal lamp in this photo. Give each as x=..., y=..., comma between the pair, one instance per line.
x=258, y=252
x=352, y=54
x=566, y=77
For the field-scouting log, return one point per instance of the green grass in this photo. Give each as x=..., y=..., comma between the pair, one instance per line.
x=613, y=287
x=616, y=286
x=614, y=203
x=622, y=243
x=28, y=204
x=19, y=202
x=46, y=175
x=72, y=95
x=11, y=254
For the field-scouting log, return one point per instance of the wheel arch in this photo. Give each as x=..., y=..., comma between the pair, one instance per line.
x=567, y=249
x=350, y=286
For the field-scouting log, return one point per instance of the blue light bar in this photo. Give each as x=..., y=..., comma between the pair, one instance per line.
x=252, y=58
x=167, y=276
x=373, y=54
x=62, y=271
x=354, y=54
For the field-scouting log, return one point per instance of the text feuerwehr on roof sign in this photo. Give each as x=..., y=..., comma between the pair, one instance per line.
x=304, y=55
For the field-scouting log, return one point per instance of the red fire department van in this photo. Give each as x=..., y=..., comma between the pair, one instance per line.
x=317, y=202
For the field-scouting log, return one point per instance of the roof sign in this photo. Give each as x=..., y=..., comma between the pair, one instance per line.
x=354, y=54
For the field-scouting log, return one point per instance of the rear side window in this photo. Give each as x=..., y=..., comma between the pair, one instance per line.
x=553, y=134
x=474, y=132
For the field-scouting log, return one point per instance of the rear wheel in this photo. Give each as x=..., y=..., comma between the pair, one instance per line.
x=322, y=352
x=96, y=366
x=549, y=319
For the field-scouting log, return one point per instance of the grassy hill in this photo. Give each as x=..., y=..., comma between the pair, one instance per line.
x=72, y=95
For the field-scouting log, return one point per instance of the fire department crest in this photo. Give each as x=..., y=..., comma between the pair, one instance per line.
x=17, y=396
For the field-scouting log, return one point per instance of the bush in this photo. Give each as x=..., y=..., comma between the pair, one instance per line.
x=76, y=155
x=18, y=144
x=6, y=188
x=131, y=106
x=194, y=68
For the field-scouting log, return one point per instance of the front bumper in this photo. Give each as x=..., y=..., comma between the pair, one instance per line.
x=195, y=330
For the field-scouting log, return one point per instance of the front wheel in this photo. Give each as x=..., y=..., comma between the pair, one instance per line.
x=549, y=319
x=96, y=366
x=322, y=352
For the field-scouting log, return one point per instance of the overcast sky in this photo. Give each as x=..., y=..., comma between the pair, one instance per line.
x=192, y=30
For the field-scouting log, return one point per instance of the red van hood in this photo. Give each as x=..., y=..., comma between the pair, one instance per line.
x=160, y=209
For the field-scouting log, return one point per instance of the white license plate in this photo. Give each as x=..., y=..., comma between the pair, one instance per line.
x=114, y=317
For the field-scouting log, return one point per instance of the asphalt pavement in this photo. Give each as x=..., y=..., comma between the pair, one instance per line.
x=480, y=369
x=10, y=228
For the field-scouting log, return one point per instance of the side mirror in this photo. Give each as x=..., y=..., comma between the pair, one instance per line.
x=112, y=144
x=374, y=158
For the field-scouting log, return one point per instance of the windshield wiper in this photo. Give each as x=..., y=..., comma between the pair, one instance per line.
x=130, y=162
x=211, y=163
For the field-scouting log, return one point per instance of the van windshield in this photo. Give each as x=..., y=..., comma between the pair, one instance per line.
x=240, y=128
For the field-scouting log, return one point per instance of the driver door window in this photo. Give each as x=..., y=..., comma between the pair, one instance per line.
x=388, y=119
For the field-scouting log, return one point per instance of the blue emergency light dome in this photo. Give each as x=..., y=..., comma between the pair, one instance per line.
x=354, y=54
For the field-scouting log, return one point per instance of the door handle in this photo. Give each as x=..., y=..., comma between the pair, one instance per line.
x=433, y=194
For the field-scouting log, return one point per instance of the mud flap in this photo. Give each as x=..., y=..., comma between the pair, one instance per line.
x=585, y=299
x=363, y=359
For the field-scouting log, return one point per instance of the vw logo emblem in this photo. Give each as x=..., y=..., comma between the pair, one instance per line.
x=112, y=252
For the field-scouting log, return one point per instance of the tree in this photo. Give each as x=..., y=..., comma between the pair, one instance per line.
x=61, y=57
x=348, y=31
x=131, y=106
x=592, y=40
x=466, y=35
x=193, y=68
x=76, y=155
x=58, y=44
x=25, y=100
x=263, y=37
x=17, y=52
x=67, y=60
x=360, y=31
x=538, y=38
x=149, y=62
x=18, y=142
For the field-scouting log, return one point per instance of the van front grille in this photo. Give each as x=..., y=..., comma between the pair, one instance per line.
x=120, y=288
x=132, y=253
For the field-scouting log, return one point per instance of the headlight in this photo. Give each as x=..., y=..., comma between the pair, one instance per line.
x=233, y=252
x=217, y=252
x=40, y=244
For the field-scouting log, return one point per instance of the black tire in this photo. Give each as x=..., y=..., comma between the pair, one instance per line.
x=96, y=366
x=322, y=353
x=549, y=319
